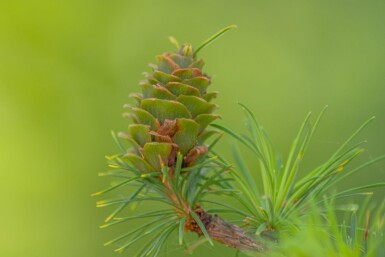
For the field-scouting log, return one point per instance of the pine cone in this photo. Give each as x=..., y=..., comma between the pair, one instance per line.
x=172, y=113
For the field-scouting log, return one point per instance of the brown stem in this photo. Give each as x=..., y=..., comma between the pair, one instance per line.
x=223, y=232
x=218, y=229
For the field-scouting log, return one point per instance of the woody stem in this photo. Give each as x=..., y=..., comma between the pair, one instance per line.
x=223, y=232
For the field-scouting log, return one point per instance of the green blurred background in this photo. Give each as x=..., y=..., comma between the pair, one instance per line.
x=66, y=68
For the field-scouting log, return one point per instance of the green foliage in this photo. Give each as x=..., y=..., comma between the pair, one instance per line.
x=283, y=192
x=188, y=184
x=322, y=233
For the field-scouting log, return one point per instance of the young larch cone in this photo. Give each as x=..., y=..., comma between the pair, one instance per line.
x=172, y=113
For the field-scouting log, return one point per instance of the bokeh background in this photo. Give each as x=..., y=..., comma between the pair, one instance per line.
x=66, y=68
